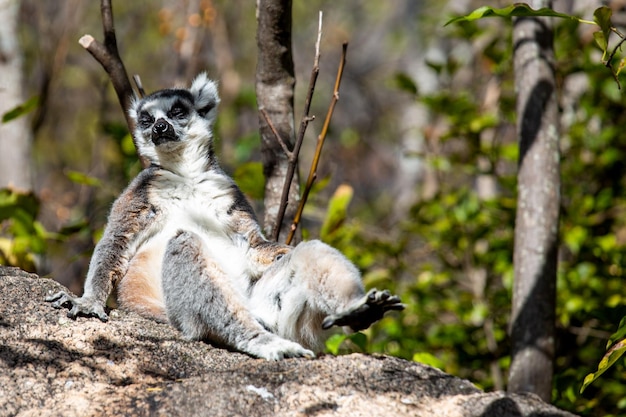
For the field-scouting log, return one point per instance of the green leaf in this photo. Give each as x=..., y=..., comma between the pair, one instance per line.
x=337, y=210
x=601, y=41
x=13, y=202
x=360, y=340
x=515, y=10
x=622, y=64
x=21, y=110
x=333, y=343
x=607, y=361
x=405, y=83
x=428, y=359
x=620, y=334
x=249, y=177
x=602, y=18
x=83, y=179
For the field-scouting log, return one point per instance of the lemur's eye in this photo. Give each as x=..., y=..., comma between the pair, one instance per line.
x=177, y=111
x=145, y=120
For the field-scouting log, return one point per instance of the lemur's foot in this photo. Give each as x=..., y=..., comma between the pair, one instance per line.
x=366, y=311
x=84, y=306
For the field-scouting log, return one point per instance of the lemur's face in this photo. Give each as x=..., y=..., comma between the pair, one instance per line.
x=165, y=115
x=168, y=119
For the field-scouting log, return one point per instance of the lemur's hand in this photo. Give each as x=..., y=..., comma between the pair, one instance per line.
x=365, y=311
x=85, y=306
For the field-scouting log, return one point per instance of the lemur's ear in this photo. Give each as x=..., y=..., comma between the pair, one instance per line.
x=205, y=96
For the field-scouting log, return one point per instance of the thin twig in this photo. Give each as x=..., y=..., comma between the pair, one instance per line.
x=609, y=63
x=318, y=149
x=108, y=56
x=280, y=140
x=139, y=85
x=304, y=122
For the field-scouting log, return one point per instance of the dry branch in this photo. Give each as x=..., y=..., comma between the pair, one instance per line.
x=280, y=140
x=318, y=150
x=304, y=122
x=107, y=54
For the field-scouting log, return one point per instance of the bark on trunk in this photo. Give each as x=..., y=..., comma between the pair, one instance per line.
x=275, y=90
x=537, y=217
x=15, y=135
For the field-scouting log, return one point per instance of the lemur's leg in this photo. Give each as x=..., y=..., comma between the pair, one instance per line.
x=140, y=289
x=313, y=288
x=201, y=302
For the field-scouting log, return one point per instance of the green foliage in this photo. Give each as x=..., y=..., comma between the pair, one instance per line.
x=22, y=237
x=602, y=17
x=515, y=10
x=20, y=110
x=616, y=348
x=249, y=177
x=337, y=210
x=592, y=228
x=451, y=262
x=81, y=178
x=344, y=343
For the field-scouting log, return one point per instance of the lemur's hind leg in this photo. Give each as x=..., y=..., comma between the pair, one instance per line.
x=201, y=302
x=312, y=288
x=364, y=312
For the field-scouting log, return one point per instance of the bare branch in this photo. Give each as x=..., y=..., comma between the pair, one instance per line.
x=609, y=61
x=108, y=56
x=280, y=141
x=304, y=122
x=139, y=85
x=320, y=143
x=316, y=63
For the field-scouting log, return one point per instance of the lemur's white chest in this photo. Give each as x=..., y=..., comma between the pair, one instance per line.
x=202, y=206
x=199, y=203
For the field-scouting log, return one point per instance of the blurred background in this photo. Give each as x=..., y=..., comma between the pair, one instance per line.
x=417, y=179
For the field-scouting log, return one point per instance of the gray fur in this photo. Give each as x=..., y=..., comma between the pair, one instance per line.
x=182, y=243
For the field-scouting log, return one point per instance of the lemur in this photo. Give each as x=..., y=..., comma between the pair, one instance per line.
x=182, y=245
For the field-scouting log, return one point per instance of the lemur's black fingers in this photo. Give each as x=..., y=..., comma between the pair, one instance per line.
x=351, y=318
x=77, y=306
x=369, y=310
x=53, y=297
x=93, y=311
x=60, y=299
x=99, y=313
x=328, y=322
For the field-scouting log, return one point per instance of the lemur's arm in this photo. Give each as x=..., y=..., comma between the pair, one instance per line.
x=243, y=222
x=131, y=213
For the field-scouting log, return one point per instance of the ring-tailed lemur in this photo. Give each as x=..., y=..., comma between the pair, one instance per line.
x=183, y=245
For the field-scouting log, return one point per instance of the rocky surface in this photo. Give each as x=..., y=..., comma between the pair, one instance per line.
x=53, y=366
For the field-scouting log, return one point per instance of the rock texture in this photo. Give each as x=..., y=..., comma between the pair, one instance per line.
x=53, y=366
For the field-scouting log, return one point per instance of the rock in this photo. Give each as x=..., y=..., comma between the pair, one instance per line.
x=53, y=366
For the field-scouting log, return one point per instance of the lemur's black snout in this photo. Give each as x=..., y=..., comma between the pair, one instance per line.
x=161, y=126
x=162, y=132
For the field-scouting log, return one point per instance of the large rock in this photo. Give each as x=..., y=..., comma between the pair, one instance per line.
x=53, y=366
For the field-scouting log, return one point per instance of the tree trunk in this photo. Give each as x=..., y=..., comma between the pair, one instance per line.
x=275, y=90
x=15, y=135
x=537, y=217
